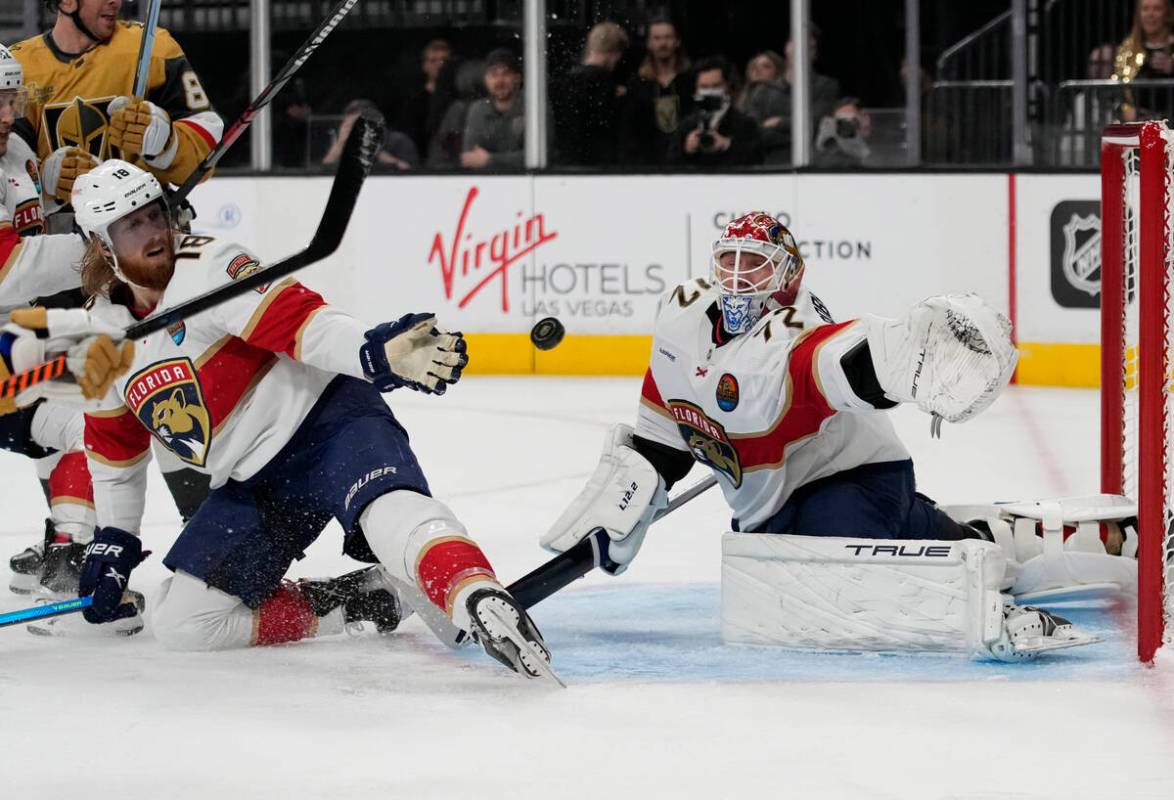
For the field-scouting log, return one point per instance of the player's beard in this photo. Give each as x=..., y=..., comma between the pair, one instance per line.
x=153, y=267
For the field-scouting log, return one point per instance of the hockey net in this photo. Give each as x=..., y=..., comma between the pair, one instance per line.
x=1137, y=395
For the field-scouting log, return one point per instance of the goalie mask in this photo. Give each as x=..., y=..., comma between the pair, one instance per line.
x=755, y=261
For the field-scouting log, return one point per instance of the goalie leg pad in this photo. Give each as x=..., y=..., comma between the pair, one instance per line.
x=861, y=595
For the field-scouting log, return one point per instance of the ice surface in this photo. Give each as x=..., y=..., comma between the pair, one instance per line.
x=658, y=706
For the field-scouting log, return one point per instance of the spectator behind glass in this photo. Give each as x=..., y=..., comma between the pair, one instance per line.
x=398, y=151
x=769, y=102
x=465, y=81
x=586, y=102
x=841, y=140
x=657, y=97
x=421, y=114
x=496, y=126
x=715, y=135
x=1091, y=111
x=1146, y=55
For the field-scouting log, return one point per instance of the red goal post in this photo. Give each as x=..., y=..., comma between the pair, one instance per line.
x=1137, y=404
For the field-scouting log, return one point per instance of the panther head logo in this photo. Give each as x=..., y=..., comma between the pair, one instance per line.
x=182, y=426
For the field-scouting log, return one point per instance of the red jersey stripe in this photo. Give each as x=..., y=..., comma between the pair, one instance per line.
x=200, y=130
x=276, y=323
x=227, y=372
x=805, y=410
x=649, y=392
x=117, y=440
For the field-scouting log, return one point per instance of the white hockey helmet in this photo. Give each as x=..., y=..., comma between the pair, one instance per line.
x=746, y=287
x=109, y=192
x=11, y=73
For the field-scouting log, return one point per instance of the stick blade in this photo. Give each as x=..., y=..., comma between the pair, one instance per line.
x=358, y=156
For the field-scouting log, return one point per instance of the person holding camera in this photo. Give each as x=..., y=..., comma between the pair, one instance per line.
x=715, y=135
x=842, y=139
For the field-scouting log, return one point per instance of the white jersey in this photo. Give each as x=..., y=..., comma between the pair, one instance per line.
x=760, y=409
x=31, y=265
x=224, y=390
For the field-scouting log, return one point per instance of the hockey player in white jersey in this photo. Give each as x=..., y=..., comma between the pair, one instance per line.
x=276, y=395
x=34, y=264
x=750, y=376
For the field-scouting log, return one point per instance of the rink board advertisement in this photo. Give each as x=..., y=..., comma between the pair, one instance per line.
x=492, y=254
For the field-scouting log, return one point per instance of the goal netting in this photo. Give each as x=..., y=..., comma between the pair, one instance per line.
x=1137, y=396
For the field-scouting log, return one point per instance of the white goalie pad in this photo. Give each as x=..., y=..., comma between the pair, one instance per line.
x=1055, y=548
x=837, y=594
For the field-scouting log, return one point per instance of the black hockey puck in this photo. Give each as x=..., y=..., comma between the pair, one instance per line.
x=547, y=333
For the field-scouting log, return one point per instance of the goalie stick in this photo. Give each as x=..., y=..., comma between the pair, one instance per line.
x=569, y=566
x=274, y=86
x=357, y=157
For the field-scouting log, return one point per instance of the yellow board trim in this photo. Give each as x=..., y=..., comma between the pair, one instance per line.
x=1040, y=363
x=515, y=354
x=1050, y=364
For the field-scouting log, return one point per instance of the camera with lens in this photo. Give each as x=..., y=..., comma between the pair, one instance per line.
x=847, y=127
x=707, y=105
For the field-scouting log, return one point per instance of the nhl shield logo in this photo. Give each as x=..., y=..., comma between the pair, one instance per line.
x=1075, y=245
x=167, y=399
x=1081, y=260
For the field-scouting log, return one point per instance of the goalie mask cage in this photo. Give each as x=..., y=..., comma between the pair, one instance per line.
x=1137, y=402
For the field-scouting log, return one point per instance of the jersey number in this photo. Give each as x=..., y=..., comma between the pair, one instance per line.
x=788, y=321
x=193, y=91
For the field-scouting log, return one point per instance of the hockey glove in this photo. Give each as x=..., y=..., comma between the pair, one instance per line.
x=94, y=362
x=60, y=169
x=110, y=558
x=621, y=498
x=141, y=128
x=412, y=352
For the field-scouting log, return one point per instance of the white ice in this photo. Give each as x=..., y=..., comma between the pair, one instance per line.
x=657, y=705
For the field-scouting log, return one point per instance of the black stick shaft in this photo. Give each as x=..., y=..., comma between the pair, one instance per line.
x=569, y=566
x=358, y=155
x=340, y=10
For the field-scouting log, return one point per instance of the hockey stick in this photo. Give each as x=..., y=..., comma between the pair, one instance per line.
x=300, y=57
x=45, y=611
x=143, y=70
x=357, y=157
x=567, y=567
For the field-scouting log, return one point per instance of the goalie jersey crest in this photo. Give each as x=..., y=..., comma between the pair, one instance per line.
x=167, y=399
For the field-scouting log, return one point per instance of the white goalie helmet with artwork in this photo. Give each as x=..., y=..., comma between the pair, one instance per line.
x=756, y=261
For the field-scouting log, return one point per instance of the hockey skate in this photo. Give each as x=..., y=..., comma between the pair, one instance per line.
x=26, y=565
x=508, y=634
x=75, y=625
x=1029, y=631
x=364, y=595
x=62, y=569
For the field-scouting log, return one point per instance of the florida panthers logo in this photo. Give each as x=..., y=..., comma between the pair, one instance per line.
x=166, y=397
x=707, y=439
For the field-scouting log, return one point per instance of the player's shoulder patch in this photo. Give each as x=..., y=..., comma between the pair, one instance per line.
x=242, y=265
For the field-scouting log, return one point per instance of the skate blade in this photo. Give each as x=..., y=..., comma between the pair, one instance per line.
x=412, y=599
x=540, y=664
x=74, y=626
x=1043, y=644
x=24, y=584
